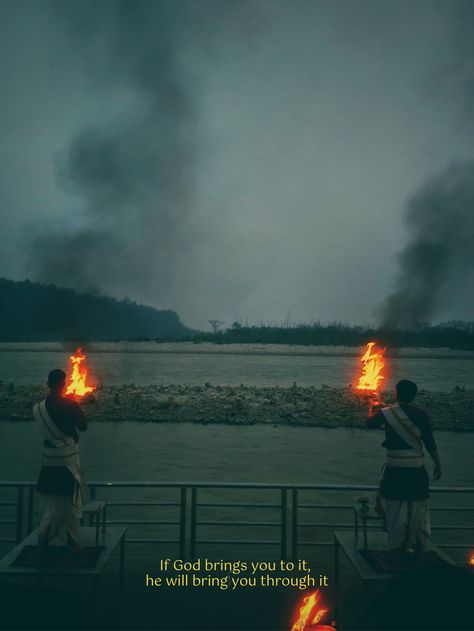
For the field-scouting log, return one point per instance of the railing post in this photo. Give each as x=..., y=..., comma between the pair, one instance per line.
x=194, y=492
x=284, y=523
x=31, y=500
x=182, y=523
x=93, y=493
x=19, y=514
x=294, y=523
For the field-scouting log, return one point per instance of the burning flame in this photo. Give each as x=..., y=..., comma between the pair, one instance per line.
x=372, y=366
x=307, y=612
x=471, y=559
x=78, y=378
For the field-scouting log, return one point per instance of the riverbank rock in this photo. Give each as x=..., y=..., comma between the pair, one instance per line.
x=297, y=406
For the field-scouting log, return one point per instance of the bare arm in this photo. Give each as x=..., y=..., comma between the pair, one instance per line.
x=79, y=418
x=437, y=464
x=375, y=418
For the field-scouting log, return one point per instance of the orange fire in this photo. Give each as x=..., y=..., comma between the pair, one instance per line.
x=372, y=366
x=309, y=615
x=78, y=377
x=471, y=559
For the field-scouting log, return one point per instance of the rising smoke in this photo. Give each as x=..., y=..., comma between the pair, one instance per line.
x=440, y=218
x=134, y=176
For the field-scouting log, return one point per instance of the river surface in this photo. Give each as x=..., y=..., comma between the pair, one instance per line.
x=231, y=453
x=226, y=453
x=185, y=452
x=338, y=366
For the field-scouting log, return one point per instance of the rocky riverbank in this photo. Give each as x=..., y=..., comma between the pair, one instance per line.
x=296, y=406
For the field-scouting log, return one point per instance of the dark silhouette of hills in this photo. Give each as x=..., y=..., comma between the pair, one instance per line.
x=36, y=312
x=33, y=312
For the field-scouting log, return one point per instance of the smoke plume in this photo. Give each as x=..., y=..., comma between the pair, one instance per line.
x=134, y=176
x=440, y=218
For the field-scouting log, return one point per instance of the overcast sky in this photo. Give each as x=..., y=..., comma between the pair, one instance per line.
x=229, y=160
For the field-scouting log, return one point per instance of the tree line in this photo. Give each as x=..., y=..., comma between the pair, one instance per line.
x=454, y=334
x=36, y=312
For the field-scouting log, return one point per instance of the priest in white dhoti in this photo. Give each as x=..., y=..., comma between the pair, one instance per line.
x=405, y=484
x=60, y=483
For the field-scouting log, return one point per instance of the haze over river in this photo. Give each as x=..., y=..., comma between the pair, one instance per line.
x=145, y=363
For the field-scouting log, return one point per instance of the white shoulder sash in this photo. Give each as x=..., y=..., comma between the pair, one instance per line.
x=409, y=432
x=51, y=431
x=403, y=426
x=65, y=451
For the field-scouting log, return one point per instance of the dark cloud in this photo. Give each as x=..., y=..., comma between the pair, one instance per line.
x=440, y=252
x=227, y=159
x=461, y=68
x=134, y=176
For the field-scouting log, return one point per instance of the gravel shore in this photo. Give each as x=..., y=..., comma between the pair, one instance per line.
x=295, y=406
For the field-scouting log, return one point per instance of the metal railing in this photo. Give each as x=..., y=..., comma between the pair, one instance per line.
x=280, y=504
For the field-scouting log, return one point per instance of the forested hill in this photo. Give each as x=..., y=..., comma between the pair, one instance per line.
x=35, y=312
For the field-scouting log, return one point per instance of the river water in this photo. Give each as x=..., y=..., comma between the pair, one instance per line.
x=225, y=453
x=238, y=454
x=143, y=365
x=232, y=453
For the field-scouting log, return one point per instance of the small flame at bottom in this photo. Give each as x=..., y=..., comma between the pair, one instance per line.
x=307, y=615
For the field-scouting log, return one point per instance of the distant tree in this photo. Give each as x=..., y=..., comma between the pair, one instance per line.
x=216, y=324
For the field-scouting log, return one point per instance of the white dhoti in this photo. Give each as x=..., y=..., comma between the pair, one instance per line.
x=59, y=519
x=408, y=522
x=59, y=515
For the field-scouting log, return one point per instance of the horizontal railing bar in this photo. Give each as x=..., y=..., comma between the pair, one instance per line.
x=441, y=527
x=262, y=485
x=230, y=505
x=114, y=503
x=249, y=485
x=142, y=523
x=432, y=508
x=152, y=541
x=8, y=540
x=376, y=526
x=238, y=541
x=326, y=525
x=237, y=505
x=452, y=508
x=331, y=544
x=4, y=522
x=456, y=545
x=239, y=485
x=238, y=523
x=304, y=543
x=339, y=506
x=244, y=485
